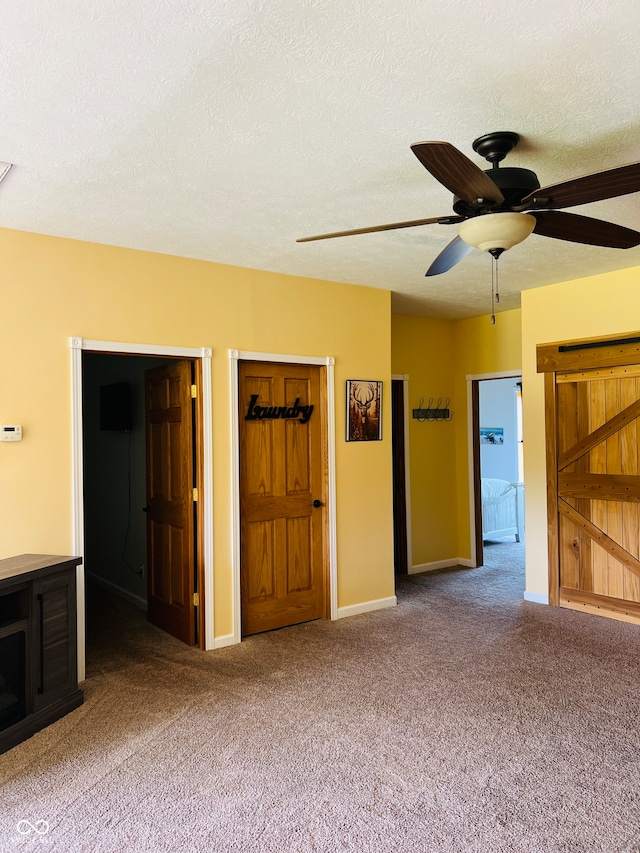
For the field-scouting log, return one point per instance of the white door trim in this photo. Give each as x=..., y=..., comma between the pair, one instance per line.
x=499, y=374
x=77, y=345
x=236, y=356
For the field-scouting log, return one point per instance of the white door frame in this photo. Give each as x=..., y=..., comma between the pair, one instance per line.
x=479, y=377
x=78, y=345
x=235, y=356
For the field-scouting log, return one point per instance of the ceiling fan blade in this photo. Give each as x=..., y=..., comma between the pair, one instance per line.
x=449, y=256
x=583, y=229
x=456, y=172
x=609, y=184
x=442, y=220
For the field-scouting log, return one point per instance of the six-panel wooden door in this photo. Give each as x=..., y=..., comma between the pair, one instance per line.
x=282, y=495
x=170, y=494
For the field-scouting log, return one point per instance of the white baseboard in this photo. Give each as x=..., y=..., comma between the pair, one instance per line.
x=225, y=640
x=136, y=600
x=440, y=564
x=536, y=597
x=367, y=607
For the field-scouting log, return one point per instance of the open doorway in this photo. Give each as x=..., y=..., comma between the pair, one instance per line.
x=497, y=468
x=202, y=564
x=114, y=449
x=401, y=484
x=140, y=467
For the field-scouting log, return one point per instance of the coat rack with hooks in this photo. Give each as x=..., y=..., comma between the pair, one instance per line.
x=433, y=413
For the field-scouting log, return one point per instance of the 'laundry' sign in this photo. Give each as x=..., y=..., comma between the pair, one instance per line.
x=260, y=413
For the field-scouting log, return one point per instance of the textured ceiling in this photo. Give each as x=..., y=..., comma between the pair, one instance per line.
x=224, y=129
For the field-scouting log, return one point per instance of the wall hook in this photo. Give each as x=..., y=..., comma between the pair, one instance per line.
x=439, y=412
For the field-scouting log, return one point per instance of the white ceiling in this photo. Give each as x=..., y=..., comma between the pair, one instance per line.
x=224, y=129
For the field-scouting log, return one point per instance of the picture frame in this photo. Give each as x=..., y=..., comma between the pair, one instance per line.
x=364, y=410
x=492, y=435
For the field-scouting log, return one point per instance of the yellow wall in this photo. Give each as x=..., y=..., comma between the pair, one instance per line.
x=589, y=307
x=438, y=355
x=422, y=347
x=55, y=288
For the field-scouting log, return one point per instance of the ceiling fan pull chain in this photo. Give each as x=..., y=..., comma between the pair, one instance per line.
x=493, y=298
x=497, y=285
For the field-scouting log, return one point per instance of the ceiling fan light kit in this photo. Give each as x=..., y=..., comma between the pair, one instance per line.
x=496, y=230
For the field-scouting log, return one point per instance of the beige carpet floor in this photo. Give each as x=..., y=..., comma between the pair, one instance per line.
x=465, y=719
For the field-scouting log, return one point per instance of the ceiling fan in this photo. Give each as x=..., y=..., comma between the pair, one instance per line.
x=497, y=208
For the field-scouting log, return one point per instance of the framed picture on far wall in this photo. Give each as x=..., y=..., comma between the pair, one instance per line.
x=364, y=410
x=492, y=435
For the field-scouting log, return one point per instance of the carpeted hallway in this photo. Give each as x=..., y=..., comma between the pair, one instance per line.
x=465, y=719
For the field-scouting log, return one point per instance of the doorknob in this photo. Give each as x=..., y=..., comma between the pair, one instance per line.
x=146, y=508
x=317, y=503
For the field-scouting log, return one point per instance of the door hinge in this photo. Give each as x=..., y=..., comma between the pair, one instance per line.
x=196, y=599
x=194, y=494
x=194, y=391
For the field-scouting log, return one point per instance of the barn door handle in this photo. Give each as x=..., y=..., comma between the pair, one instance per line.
x=317, y=503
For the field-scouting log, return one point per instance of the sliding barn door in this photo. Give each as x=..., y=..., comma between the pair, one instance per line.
x=592, y=408
x=596, y=478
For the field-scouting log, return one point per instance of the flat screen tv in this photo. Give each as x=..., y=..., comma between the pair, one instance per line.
x=115, y=407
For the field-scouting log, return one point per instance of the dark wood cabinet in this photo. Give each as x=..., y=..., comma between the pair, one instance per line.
x=38, y=644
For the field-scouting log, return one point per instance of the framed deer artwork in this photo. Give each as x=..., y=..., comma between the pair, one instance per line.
x=364, y=410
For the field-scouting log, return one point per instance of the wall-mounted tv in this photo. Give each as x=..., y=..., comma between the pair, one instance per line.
x=115, y=407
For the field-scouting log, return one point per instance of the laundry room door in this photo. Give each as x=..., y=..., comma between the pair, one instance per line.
x=283, y=488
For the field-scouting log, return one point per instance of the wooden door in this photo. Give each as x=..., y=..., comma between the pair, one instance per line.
x=597, y=476
x=282, y=474
x=170, y=500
